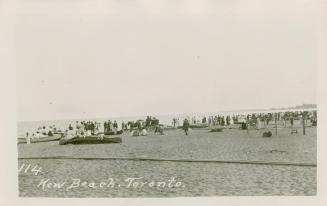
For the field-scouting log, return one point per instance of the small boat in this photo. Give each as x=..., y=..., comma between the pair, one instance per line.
x=112, y=133
x=55, y=137
x=90, y=140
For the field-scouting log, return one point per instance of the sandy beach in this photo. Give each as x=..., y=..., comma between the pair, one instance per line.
x=194, y=178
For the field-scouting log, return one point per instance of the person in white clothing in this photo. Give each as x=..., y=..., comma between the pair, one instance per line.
x=258, y=123
x=28, y=139
x=144, y=132
x=88, y=133
x=70, y=133
x=37, y=135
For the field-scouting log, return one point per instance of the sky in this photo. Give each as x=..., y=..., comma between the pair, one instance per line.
x=87, y=59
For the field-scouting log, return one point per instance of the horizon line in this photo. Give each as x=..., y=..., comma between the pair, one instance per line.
x=178, y=114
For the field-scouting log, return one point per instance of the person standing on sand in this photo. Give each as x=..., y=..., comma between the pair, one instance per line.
x=174, y=122
x=292, y=121
x=105, y=125
x=28, y=138
x=115, y=127
x=186, y=126
x=258, y=123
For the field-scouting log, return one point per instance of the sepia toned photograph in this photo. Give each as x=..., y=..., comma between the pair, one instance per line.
x=122, y=99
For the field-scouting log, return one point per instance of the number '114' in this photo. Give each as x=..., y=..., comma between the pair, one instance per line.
x=29, y=168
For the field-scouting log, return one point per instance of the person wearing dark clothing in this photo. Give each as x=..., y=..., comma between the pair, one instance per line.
x=292, y=121
x=186, y=126
x=174, y=122
x=115, y=127
x=123, y=125
x=105, y=126
x=158, y=129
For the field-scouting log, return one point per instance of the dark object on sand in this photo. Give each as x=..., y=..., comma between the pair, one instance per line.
x=244, y=126
x=136, y=133
x=112, y=133
x=55, y=137
x=90, y=140
x=267, y=134
x=159, y=130
x=314, y=122
x=216, y=130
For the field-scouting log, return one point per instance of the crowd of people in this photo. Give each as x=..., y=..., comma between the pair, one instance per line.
x=141, y=127
x=109, y=127
x=43, y=132
x=257, y=120
x=82, y=129
x=91, y=128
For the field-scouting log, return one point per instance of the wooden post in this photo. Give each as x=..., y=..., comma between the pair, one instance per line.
x=276, y=125
x=303, y=124
x=247, y=126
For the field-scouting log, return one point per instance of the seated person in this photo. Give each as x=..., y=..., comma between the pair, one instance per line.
x=37, y=135
x=135, y=133
x=144, y=132
x=88, y=133
x=159, y=130
x=70, y=133
x=44, y=131
x=79, y=131
x=50, y=134
x=100, y=136
x=54, y=129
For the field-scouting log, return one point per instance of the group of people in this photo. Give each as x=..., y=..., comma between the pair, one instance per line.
x=89, y=128
x=220, y=120
x=43, y=132
x=141, y=127
x=286, y=118
x=257, y=120
x=82, y=129
x=211, y=120
x=149, y=123
x=110, y=126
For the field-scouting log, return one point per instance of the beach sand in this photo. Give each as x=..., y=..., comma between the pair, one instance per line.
x=196, y=178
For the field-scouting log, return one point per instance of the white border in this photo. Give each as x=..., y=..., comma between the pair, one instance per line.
x=8, y=151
